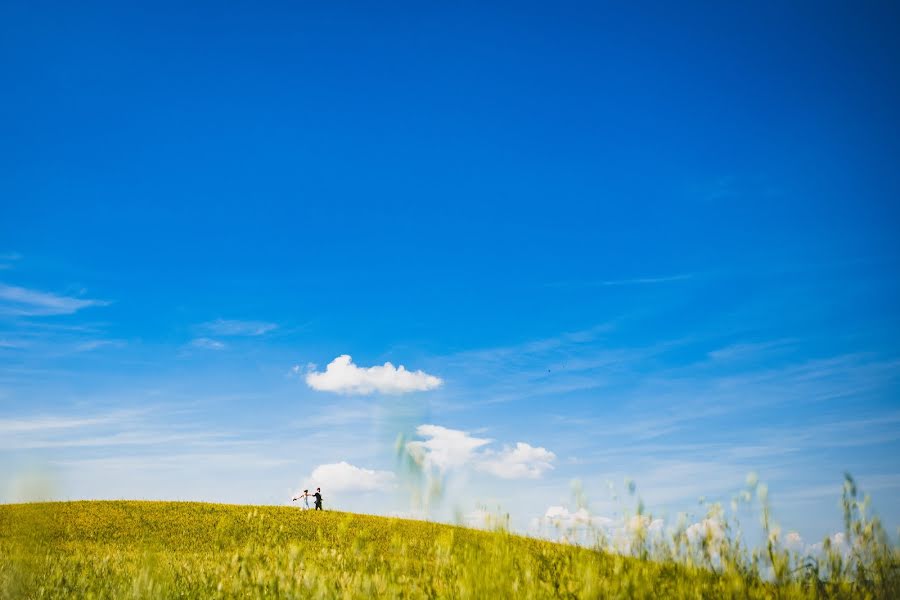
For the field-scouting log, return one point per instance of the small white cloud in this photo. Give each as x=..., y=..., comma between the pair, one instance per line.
x=207, y=344
x=32, y=303
x=522, y=462
x=344, y=477
x=637, y=523
x=793, y=541
x=446, y=448
x=708, y=528
x=582, y=527
x=343, y=377
x=838, y=542
x=485, y=519
x=561, y=518
x=233, y=327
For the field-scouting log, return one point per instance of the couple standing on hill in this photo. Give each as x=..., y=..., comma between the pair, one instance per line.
x=305, y=495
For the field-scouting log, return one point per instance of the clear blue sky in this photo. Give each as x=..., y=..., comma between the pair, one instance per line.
x=659, y=242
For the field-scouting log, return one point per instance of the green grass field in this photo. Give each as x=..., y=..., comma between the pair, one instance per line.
x=124, y=549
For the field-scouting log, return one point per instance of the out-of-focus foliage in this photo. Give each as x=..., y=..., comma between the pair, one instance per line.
x=188, y=550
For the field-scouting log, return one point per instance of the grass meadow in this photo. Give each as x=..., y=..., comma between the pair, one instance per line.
x=141, y=549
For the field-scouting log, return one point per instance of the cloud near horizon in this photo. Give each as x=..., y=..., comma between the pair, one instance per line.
x=344, y=477
x=341, y=376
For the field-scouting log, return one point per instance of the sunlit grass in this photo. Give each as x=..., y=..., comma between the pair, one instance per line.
x=165, y=549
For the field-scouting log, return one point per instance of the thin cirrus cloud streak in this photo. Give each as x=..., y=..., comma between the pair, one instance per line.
x=19, y=301
x=8, y=259
x=623, y=282
x=234, y=327
x=206, y=343
x=342, y=376
x=45, y=423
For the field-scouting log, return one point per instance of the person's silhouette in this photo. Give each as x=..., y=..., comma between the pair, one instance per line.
x=305, y=496
x=318, y=496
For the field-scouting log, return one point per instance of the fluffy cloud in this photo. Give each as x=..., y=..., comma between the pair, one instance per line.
x=522, y=462
x=343, y=377
x=447, y=449
x=344, y=477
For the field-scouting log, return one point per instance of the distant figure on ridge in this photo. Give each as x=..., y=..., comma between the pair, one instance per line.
x=318, y=496
x=305, y=496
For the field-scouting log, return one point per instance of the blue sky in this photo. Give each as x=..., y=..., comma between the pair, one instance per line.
x=644, y=242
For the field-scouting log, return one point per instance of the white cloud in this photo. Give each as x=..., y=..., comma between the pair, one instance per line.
x=44, y=423
x=793, y=541
x=232, y=327
x=644, y=523
x=343, y=377
x=709, y=528
x=447, y=449
x=561, y=518
x=207, y=344
x=485, y=519
x=522, y=462
x=344, y=477
x=581, y=527
x=838, y=543
x=31, y=303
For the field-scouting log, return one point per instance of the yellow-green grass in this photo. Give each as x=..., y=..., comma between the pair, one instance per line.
x=131, y=549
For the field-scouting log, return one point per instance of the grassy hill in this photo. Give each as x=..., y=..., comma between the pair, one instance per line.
x=175, y=549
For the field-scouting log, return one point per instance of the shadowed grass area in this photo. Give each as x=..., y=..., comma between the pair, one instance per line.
x=130, y=549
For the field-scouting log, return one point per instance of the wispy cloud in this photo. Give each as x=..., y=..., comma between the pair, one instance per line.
x=8, y=259
x=90, y=345
x=748, y=350
x=646, y=280
x=25, y=302
x=206, y=343
x=233, y=327
x=621, y=282
x=52, y=423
